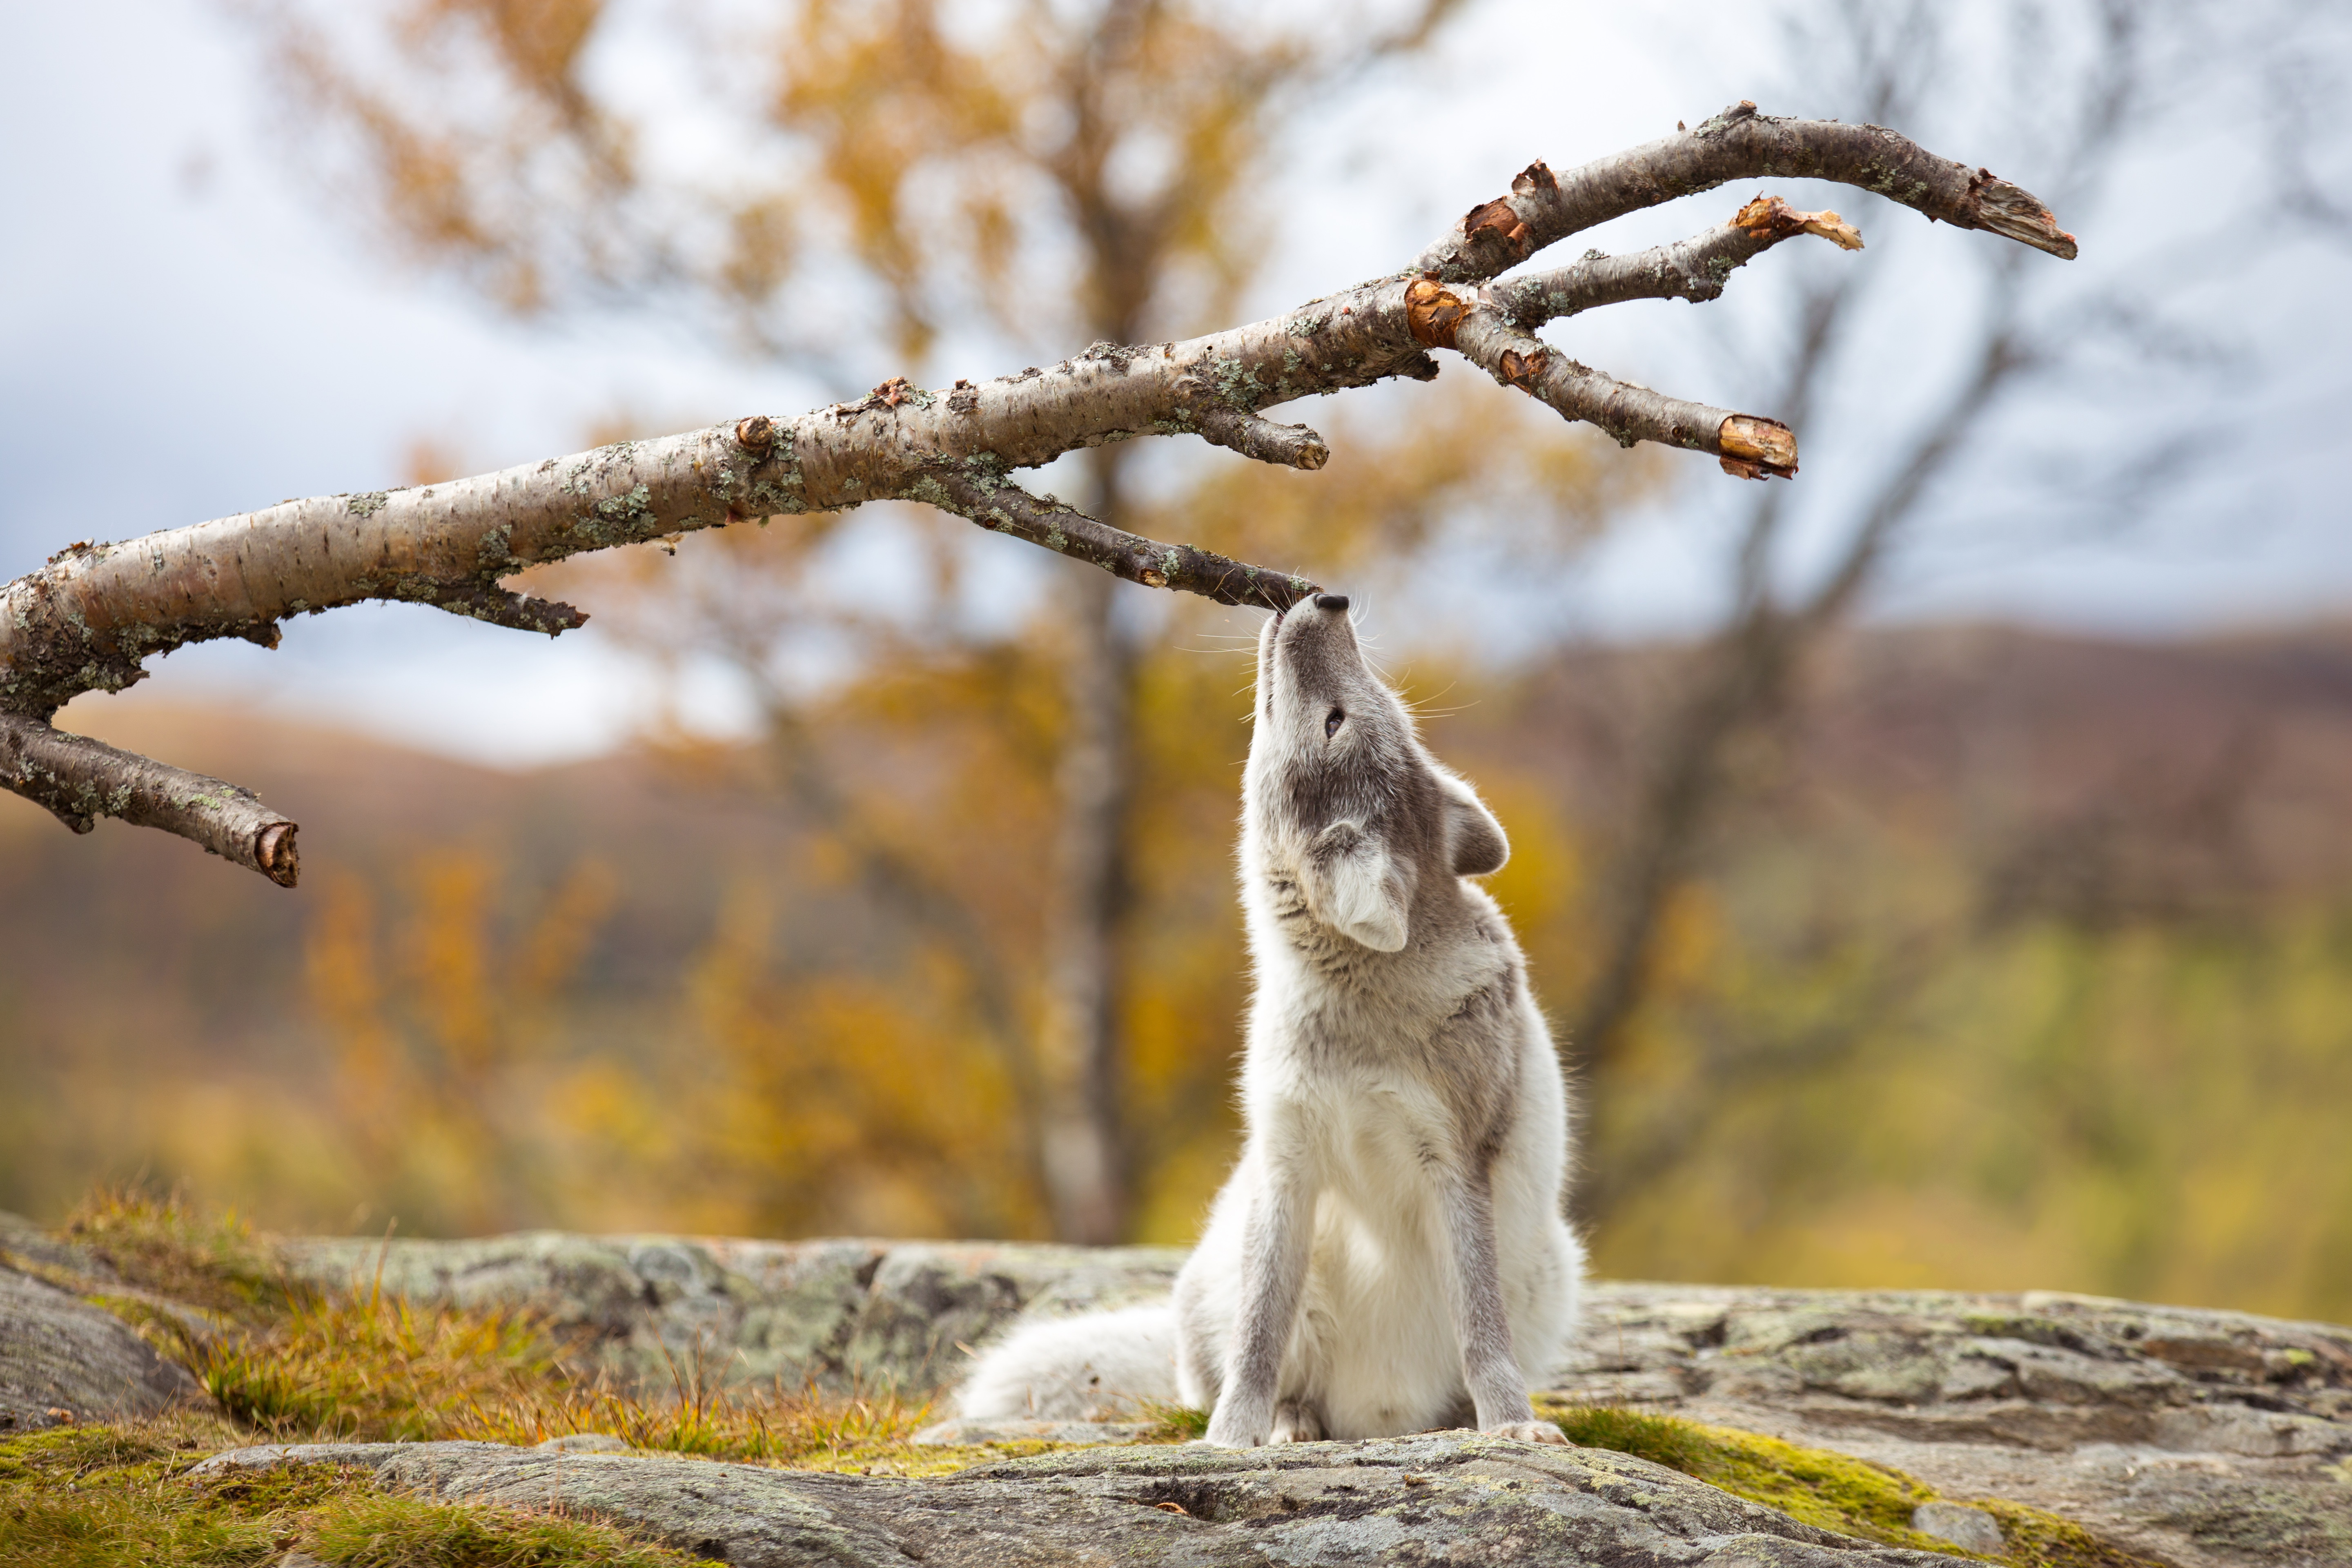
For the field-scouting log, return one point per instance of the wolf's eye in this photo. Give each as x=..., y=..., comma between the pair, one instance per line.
x=1331, y=725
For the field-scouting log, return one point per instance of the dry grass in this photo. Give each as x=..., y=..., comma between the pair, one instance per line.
x=289, y=1363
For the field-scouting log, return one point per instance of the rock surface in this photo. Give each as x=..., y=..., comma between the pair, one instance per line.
x=1440, y=1499
x=847, y=1313
x=2206, y=1438
x=2213, y=1439
x=2209, y=1439
x=62, y=1359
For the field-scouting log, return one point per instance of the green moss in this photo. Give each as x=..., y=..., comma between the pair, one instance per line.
x=379, y=1531
x=1825, y=1489
x=2041, y=1539
x=1822, y=1488
x=1661, y=1439
x=97, y=1497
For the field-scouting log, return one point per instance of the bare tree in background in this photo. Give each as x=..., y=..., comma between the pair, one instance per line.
x=2080, y=109
x=540, y=192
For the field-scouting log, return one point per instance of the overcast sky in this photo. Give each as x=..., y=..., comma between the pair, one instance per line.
x=182, y=337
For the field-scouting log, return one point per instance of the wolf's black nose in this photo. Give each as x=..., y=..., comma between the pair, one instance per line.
x=1330, y=601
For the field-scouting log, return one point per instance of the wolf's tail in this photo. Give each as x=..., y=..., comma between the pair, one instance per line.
x=1105, y=1366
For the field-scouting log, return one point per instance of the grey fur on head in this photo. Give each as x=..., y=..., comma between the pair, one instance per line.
x=1340, y=790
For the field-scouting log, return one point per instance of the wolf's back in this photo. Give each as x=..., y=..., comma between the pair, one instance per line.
x=1104, y=1366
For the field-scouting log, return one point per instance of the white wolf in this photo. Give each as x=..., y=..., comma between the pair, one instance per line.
x=1390, y=1255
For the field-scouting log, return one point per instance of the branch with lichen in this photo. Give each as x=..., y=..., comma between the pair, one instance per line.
x=88, y=619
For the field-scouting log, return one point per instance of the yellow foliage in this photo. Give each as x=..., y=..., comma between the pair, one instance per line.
x=432, y=1022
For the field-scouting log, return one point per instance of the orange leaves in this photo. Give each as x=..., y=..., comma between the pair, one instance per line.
x=900, y=120
x=432, y=1019
x=763, y=247
x=538, y=42
x=514, y=179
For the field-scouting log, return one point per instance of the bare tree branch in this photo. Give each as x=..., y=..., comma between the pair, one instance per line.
x=1284, y=446
x=1696, y=269
x=999, y=504
x=1736, y=144
x=81, y=780
x=88, y=619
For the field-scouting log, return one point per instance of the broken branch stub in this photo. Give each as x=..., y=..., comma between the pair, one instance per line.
x=1254, y=436
x=1756, y=448
x=1771, y=219
x=91, y=618
x=80, y=780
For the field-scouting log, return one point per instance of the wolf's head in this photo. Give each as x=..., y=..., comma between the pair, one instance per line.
x=1341, y=793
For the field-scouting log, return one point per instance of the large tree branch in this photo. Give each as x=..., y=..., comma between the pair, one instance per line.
x=88, y=619
x=1736, y=144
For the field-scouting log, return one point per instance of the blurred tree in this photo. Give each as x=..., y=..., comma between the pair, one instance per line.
x=2083, y=84
x=907, y=155
x=428, y=1021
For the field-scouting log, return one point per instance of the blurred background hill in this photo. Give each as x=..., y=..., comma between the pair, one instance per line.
x=2026, y=961
x=1938, y=868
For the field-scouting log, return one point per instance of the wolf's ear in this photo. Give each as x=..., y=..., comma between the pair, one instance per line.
x=1355, y=887
x=1474, y=839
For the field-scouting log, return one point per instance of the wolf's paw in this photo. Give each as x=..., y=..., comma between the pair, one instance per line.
x=1529, y=1431
x=1242, y=1433
x=1295, y=1421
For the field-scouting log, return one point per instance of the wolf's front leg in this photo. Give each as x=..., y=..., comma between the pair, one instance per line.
x=1475, y=1294
x=1274, y=1275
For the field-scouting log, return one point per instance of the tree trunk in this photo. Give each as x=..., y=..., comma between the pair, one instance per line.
x=1085, y=1152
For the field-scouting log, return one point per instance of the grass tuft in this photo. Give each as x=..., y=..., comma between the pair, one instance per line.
x=160, y=1243
x=374, y=1368
x=1174, y=1422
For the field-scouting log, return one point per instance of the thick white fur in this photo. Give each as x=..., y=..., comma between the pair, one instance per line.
x=1396, y=1062
x=1104, y=1366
